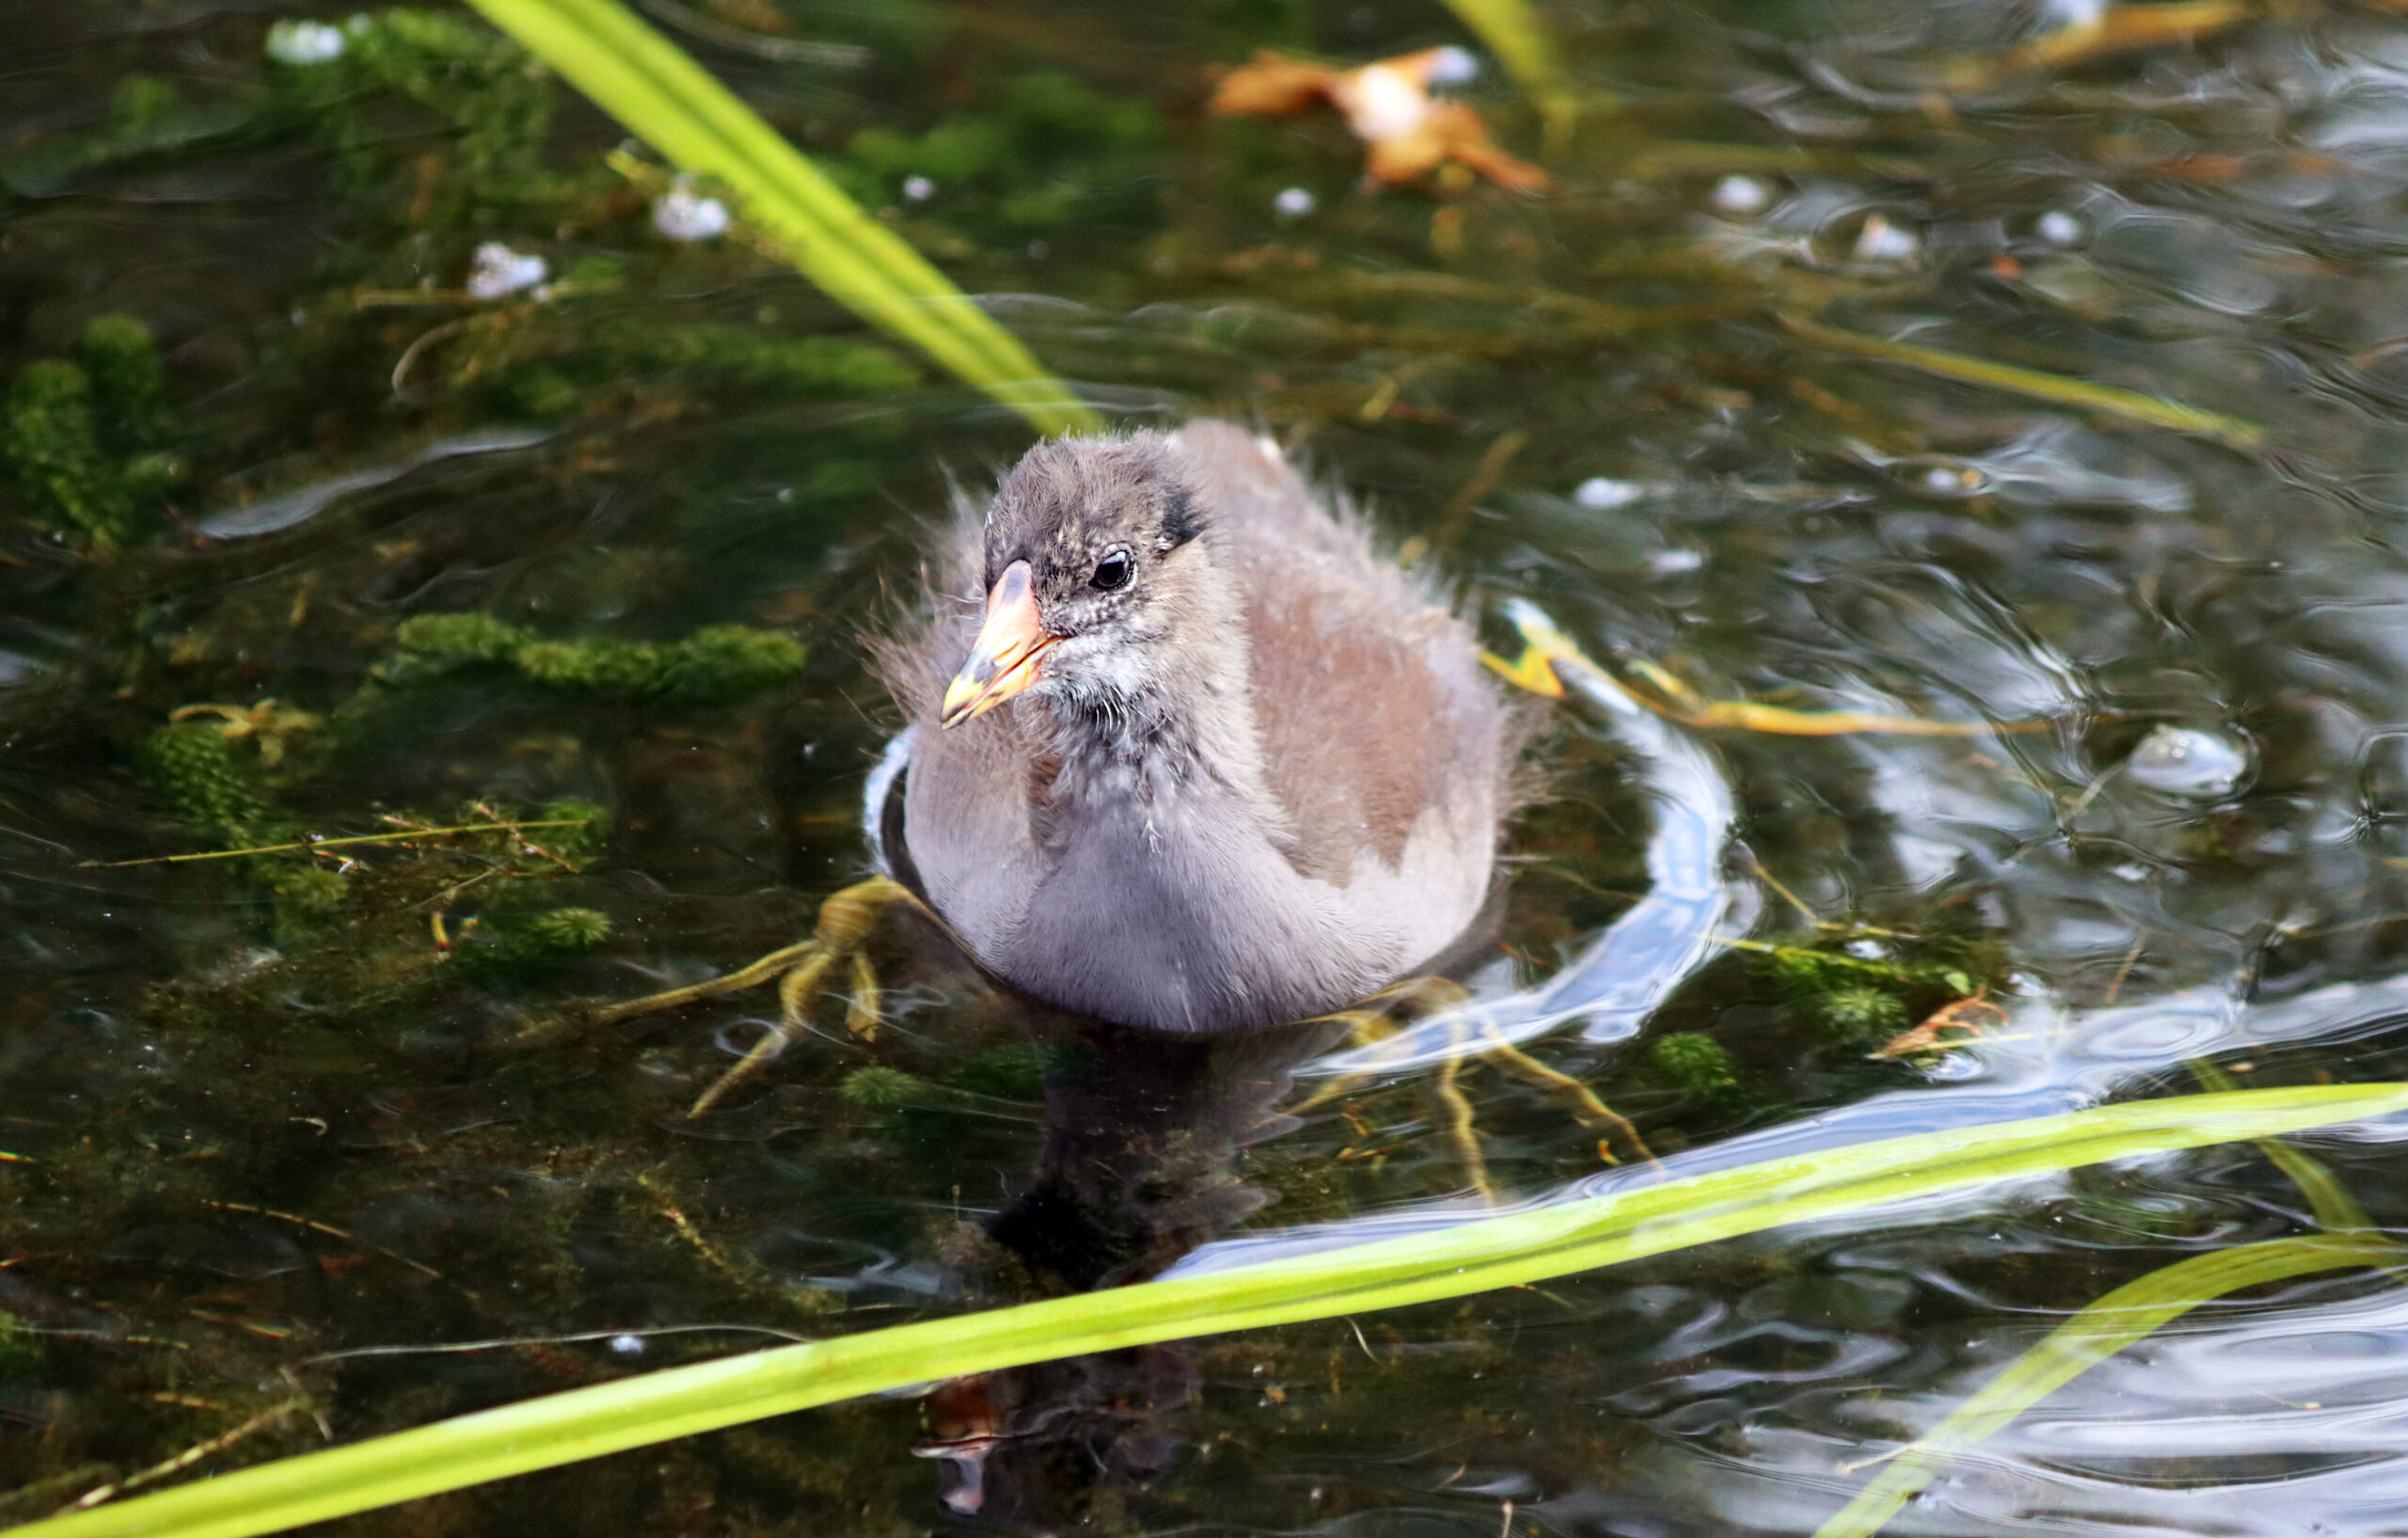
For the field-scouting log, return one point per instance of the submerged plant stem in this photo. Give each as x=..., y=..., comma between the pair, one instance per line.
x=2108, y=400
x=2125, y=1315
x=399, y=835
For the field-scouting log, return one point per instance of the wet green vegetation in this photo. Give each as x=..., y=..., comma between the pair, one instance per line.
x=433, y=597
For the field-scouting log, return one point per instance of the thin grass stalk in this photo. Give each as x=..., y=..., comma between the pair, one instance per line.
x=1473, y=1257
x=2062, y=389
x=2130, y=1313
x=2329, y=1201
x=1521, y=42
x=664, y=98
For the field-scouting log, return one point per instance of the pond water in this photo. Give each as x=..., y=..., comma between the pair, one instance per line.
x=2041, y=369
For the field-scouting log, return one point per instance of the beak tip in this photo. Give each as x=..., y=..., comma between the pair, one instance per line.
x=963, y=699
x=1003, y=658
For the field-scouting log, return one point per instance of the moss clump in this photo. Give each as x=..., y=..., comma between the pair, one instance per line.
x=1048, y=154
x=148, y=119
x=1858, y=1013
x=191, y=773
x=141, y=100
x=569, y=932
x=1852, y=998
x=1695, y=1064
x=1014, y=1071
x=1803, y=973
x=129, y=382
x=884, y=1089
x=728, y=662
x=629, y=670
x=574, y=357
x=306, y=897
x=491, y=103
x=519, y=952
x=754, y=357
x=312, y=889
x=54, y=446
x=576, y=847
x=76, y=432
x=717, y=665
x=459, y=637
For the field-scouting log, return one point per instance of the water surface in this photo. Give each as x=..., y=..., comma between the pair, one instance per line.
x=282, y=1155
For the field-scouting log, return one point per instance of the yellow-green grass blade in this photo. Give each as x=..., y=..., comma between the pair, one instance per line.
x=1454, y=1262
x=2329, y=1201
x=2123, y=1316
x=2107, y=400
x=1522, y=43
x=671, y=102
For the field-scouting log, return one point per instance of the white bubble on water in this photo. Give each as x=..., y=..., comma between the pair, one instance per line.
x=1604, y=495
x=1881, y=240
x=1295, y=202
x=1740, y=194
x=304, y=42
x=1453, y=66
x=681, y=214
x=498, y=271
x=2188, y=763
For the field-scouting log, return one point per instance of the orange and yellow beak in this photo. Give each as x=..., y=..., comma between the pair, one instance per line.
x=1003, y=661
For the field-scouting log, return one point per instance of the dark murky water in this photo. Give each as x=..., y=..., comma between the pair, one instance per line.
x=268, y=1119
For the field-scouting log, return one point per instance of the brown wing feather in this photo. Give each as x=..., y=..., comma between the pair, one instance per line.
x=1367, y=693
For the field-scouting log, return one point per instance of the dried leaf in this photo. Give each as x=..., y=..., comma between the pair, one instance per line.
x=1387, y=103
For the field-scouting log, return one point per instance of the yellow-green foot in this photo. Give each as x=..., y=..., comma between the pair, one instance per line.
x=802, y=973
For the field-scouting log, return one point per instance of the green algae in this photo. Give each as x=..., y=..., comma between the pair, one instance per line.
x=82, y=437
x=193, y=773
x=1694, y=1063
x=431, y=119
x=1043, y=154
x=718, y=663
x=1857, y=1014
x=53, y=445
x=877, y=1088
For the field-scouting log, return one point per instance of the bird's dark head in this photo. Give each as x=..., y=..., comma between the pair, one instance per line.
x=1090, y=568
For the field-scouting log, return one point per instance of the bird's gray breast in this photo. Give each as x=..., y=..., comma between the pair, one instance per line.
x=1164, y=916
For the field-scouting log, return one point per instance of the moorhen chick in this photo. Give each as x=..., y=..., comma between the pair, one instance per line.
x=1203, y=759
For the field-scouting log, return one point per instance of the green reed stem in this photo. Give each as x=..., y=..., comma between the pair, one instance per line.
x=1473, y=1257
x=663, y=97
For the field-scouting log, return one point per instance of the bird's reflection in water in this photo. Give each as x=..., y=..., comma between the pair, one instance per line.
x=1140, y=1165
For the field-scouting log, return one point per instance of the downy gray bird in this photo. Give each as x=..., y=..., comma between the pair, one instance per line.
x=1194, y=757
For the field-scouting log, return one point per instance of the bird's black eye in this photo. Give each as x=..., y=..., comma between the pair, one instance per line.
x=1111, y=572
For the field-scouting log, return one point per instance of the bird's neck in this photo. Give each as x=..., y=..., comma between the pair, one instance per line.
x=1181, y=726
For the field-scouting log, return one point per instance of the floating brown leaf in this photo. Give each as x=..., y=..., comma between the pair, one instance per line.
x=1387, y=103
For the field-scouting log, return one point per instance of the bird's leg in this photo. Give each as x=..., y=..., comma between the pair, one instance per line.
x=733, y=982
x=1373, y=1020
x=1577, y=1098
x=801, y=972
x=845, y=920
x=1460, y=1130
